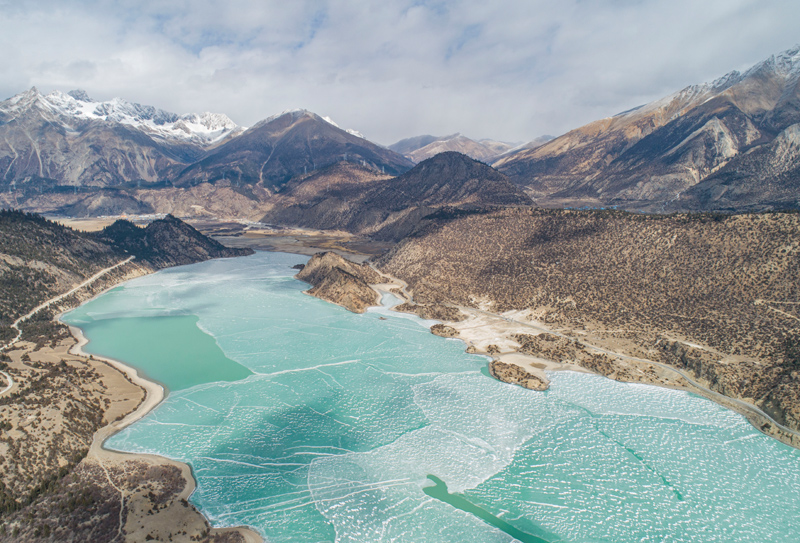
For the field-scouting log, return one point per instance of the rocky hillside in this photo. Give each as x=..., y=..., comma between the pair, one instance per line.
x=731, y=144
x=165, y=242
x=390, y=209
x=49, y=489
x=341, y=282
x=716, y=295
x=40, y=259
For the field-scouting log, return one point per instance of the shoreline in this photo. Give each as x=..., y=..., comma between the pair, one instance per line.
x=501, y=326
x=154, y=394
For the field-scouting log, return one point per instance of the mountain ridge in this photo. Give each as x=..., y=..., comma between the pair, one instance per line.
x=275, y=150
x=203, y=128
x=730, y=145
x=659, y=156
x=420, y=148
x=391, y=208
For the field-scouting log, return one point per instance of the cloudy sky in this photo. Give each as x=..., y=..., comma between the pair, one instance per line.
x=508, y=70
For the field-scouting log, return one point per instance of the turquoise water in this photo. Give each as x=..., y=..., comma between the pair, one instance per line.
x=151, y=345
x=310, y=423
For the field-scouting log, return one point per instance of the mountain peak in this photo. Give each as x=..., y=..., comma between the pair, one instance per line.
x=80, y=95
x=24, y=99
x=453, y=178
x=786, y=62
x=423, y=147
x=295, y=115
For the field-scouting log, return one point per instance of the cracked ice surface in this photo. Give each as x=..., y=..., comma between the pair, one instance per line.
x=344, y=416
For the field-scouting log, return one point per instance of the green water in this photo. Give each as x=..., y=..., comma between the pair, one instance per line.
x=310, y=423
x=170, y=350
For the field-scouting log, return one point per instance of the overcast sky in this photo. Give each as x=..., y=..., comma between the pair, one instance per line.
x=507, y=70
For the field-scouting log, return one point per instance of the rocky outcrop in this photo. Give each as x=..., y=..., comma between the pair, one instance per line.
x=443, y=330
x=515, y=375
x=341, y=282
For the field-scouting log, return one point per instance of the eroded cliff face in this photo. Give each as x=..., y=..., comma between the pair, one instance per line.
x=339, y=281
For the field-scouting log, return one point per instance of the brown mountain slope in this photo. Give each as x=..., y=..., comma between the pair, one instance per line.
x=705, y=136
x=274, y=151
x=50, y=490
x=714, y=295
x=41, y=258
x=390, y=209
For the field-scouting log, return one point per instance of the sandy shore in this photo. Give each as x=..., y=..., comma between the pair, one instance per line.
x=154, y=395
x=479, y=331
x=154, y=392
x=493, y=334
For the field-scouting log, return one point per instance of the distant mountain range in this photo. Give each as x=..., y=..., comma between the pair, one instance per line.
x=420, y=148
x=352, y=198
x=69, y=143
x=730, y=145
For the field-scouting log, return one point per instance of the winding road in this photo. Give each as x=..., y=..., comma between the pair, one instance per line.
x=10, y=383
x=49, y=302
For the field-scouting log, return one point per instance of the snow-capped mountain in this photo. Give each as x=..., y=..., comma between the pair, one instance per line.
x=49, y=142
x=75, y=106
x=284, y=146
x=727, y=144
x=300, y=112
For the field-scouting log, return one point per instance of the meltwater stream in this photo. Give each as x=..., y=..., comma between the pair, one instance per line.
x=310, y=423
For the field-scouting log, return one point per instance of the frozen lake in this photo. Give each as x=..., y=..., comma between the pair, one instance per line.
x=310, y=423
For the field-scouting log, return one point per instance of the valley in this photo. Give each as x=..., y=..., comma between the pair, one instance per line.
x=658, y=246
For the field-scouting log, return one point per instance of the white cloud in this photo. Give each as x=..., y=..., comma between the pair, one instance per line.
x=391, y=69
